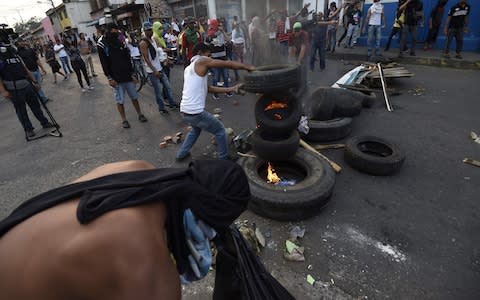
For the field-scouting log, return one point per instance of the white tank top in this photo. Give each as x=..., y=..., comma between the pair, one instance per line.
x=155, y=62
x=195, y=89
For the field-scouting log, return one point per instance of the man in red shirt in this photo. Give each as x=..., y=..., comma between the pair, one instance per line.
x=190, y=38
x=297, y=49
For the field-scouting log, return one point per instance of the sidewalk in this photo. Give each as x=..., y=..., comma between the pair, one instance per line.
x=471, y=60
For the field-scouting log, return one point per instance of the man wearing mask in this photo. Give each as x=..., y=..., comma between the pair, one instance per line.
x=116, y=64
x=30, y=58
x=85, y=52
x=190, y=38
x=376, y=21
x=153, y=55
x=456, y=26
x=17, y=84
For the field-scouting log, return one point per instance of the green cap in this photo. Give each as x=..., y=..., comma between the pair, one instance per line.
x=297, y=25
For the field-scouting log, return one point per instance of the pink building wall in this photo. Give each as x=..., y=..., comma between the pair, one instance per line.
x=48, y=28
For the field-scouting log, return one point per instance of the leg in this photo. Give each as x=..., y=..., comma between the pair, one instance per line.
x=132, y=93
x=121, y=110
x=321, y=54
x=85, y=59
x=19, y=102
x=459, y=40
x=64, y=64
x=158, y=91
x=378, y=38
x=356, y=30
x=349, y=32
x=450, y=34
x=167, y=88
x=403, y=36
x=370, y=41
x=83, y=68
x=90, y=62
x=211, y=124
x=334, y=39
x=389, y=40
x=191, y=137
x=224, y=72
x=119, y=95
x=38, y=78
x=76, y=68
x=312, y=56
x=32, y=101
x=413, y=32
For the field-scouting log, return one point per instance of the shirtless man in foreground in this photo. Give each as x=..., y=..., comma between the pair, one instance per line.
x=121, y=255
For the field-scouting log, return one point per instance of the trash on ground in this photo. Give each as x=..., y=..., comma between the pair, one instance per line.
x=472, y=162
x=163, y=144
x=294, y=252
x=296, y=232
x=250, y=235
x=260, y=237
x=475, y=137
x=217, y=110
x=310, y=279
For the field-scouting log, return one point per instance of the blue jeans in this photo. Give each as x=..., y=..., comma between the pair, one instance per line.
x=66, y=65
x=38, y=78
x=216, y=76
x=158, y=91
x=320, y=47
x=374, y=32
x=204, y=121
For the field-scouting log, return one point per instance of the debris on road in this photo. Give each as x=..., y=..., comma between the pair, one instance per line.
x=293, y=252
x=296, y=232
x=167, y=139
x=253, y=236
x=163, y=144
x=310, y=279
x=217, y=111
x=475, y=137
x=329, y=146
x=260, y=237
x=472, y=162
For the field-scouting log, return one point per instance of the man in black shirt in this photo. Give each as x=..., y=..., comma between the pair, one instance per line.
x=117, y=66
x=30, y=58
x=456, y=26
x=434, y=23
x=412, y=12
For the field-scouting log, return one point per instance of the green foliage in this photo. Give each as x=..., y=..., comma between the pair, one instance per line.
x=29, y=25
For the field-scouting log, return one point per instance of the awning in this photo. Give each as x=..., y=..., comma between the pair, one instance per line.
x=92, y=23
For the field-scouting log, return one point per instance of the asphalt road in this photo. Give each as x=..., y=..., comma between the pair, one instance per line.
x=414, y=235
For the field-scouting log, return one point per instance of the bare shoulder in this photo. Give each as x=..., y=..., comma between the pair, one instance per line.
x=123, y=255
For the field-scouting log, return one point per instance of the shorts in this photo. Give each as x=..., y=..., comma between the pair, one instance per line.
x=119, y=91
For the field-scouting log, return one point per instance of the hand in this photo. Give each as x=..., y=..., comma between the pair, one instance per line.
x=445, y=31
x=250, y=68
x=44, y=72
x=134, y=79
x=237, y=89
x=36, y=85
x=6, y=94
x=156, y=74
x=112, y=83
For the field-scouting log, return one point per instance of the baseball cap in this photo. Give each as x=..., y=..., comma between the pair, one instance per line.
x=297, y=25
x=147, y=25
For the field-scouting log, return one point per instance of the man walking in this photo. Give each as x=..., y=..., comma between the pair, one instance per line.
x=319, y=39
x=376, y=21
x=153, y=56
x=456, y=26
x=59, y=49
x=85, y=52
x=30, y=58
x=413, y=8
x=192, y=106
x=116, y=64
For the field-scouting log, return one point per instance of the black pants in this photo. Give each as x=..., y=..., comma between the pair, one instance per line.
x=394, y=31
x=456, y=33
x=20, y=99
x=432, y=34
x=79, y=65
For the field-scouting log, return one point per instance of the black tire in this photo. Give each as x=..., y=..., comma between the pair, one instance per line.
x=265, y=119
x=267, y=79
x=329, y=130
x=320, y=106
x=290, y=203
x=373, y=155
x=347, y=107
x=274, y=148
x=369, y=99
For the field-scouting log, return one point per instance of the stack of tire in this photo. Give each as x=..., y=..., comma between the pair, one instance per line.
x=330, y=112
x=276, y=140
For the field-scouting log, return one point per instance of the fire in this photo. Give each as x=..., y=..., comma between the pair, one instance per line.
x=275, y=104
x=272, y=177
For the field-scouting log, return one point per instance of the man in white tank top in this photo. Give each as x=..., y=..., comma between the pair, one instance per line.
x=192, y=106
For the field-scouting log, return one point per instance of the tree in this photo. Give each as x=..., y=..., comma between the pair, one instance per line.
x=31, y=24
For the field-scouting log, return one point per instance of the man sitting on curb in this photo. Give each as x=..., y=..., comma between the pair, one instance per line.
x=192, y=106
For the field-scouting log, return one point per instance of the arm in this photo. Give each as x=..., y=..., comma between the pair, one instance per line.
x=384, y=22
x=144, y=50
x=105, y=64
x=59, y=49
x=3, y=90
x=445, y=31
x=39, y=64
x=367, y=19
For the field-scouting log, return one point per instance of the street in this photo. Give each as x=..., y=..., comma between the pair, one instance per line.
x=413, y=235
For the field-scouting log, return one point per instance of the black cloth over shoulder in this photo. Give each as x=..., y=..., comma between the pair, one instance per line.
x=216, y=191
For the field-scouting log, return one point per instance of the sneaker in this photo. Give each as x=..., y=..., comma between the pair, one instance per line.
x=48, y=125
x=215, y=97
x=142, y=118
x=229, y=94
x=458, y=56
x=83, y=90
x=125, y=124
x=90, y=87
x=164, y=111
x=30, y=133
x=65, y=78
x=175, y=105
x=446, y=55
x=180, y=159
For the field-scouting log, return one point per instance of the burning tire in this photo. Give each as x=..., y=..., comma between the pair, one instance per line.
x=373, y=155
x=304, y=199
x=277, y=113
x=267, y=79
x=274, y=148
x=329, y=130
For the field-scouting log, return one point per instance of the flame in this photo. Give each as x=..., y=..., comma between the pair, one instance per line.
x=272, y=177
x=275, y=104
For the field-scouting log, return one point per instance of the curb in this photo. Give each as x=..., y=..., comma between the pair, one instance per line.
x=426, y=61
